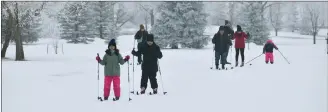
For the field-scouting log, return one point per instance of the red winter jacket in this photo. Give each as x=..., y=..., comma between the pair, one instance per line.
x=240, y=39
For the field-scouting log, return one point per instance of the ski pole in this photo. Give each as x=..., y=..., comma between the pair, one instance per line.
x=159, y=69
x=284, y=57
x=129, y=80
x=213, y=58
x=134, y=43
x=99, y=98
x=254, y=58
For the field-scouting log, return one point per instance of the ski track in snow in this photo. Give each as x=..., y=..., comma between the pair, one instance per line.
x=68, y=82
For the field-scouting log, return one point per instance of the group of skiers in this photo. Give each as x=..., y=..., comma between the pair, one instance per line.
x=150, y=52
x=147, y=49
x=222, y=41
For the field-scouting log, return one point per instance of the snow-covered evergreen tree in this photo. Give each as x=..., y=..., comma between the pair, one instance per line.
x=275, y=16
x=181, y=23
x=293, y=17
x=76, y=23
x=102, y=17
x=305, y=26
x=165, y=29
x=253, y=22
x=3, y=26
x=30, y=27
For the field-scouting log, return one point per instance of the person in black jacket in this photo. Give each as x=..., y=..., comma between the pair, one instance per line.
x=221, y=41
x=268, y=51
x=229, y=31
x=141, y=37
x=151, y=53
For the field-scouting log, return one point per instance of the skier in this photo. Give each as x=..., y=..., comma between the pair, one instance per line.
x=268, y=51
x=151, y=53
x=221, y=42
x=229, y=30
x=111, y=61
x=141, y=37
x=240, y=37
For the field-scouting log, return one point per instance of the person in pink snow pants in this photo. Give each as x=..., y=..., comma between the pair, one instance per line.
x=268, y=51
x=111, y=61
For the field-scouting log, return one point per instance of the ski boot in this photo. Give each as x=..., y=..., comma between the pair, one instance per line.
x=266, y=62
x=223, y=66
x=271, y=62
x=236, y=64
x=142, y=91
x=106, y=98
x=155, y=91
x=116, y=98
x=242, y=64
x=217, y=66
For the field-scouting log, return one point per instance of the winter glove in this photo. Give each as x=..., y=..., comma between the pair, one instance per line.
x=127, y=57
x=133, y=52
x=98, y=59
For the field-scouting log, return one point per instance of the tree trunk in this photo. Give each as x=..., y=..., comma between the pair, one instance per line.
x=152, y=17
x=8, y=36
x=174, y=46
x=314, y=38
x=276, y=32
x=18, y=39
x=146, y=21
x=101, y=32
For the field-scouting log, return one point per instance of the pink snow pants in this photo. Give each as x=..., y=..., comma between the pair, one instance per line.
x=269, y=56
x=116, y=84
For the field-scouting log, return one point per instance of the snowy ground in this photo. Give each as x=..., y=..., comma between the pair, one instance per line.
x=68, y=82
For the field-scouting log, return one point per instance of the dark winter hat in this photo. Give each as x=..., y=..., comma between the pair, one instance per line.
x=112, y=43
x=239, y=28
x=142, y=26
x=221, y=28
x=150, y=37
x=226, y=22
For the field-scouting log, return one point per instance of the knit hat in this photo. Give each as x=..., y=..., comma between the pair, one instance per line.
x=142, y=26
x=221, y=28
x=239, y=28
x=112, y=43
x=226, y=22
x=150, y=37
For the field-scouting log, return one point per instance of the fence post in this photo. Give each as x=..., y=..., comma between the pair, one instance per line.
x=47, y=48
x=62, y=48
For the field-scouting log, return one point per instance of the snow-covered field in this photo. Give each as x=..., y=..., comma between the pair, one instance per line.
x=68, y=82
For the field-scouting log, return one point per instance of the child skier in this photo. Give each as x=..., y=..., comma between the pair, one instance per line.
x=111, y=61
x=268, y=51
x=151, y=53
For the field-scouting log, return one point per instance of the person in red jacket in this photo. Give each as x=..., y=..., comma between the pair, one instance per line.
x=240, y=38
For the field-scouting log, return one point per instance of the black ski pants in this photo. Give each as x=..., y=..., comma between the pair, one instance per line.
x=241, y=50
x=151, y=75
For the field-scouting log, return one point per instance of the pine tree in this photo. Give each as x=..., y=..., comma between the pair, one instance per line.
x=276, y=15
x=193, y=22
x=181, y=23
x=30, y=27
x=3, y=26
x=293, y=19
x=76, y=23
x=103, y=19
x=305, y=26
x=254, y=23
x=165, y=28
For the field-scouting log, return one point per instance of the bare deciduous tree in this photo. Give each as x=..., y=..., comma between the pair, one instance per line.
x=314, y=19
x=15, y=11
x=276, y=16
